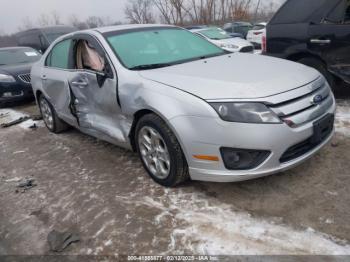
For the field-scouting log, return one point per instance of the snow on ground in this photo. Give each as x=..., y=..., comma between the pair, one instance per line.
x=8, y=115
x=206, y=226
x=203, y=225
x=342, y=122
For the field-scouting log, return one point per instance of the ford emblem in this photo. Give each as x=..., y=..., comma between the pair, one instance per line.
x=316, y=100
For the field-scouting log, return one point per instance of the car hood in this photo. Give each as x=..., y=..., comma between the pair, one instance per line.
x=16, y=69
x=234, y=76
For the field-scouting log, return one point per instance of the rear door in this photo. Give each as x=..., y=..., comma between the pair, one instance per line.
x=331, y=38
x=55, y=77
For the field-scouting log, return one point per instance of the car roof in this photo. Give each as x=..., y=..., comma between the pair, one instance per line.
x=57, y=28
x=14, y=48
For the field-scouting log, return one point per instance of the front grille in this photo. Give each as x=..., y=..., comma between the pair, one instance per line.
x=322, y=129
x=247, y=49
x=25, y=78
x=299, y=109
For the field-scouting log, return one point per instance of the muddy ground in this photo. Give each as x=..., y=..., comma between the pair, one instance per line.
x=102, y=192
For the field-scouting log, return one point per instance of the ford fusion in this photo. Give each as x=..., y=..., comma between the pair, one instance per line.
x=15, y=66
x=190, y=109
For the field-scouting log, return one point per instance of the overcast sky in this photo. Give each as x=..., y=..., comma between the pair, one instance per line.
x=13, y=12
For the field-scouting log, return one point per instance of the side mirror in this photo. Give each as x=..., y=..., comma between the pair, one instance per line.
x=101, y=78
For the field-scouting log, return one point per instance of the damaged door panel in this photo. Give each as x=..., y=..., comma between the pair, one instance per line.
x=94, y=88
x=80, y=106
x=54, y=79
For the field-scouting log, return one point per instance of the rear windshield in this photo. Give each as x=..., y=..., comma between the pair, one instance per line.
x=258, y=27
x=160, y=46
x=297, y=11
x=18, y=56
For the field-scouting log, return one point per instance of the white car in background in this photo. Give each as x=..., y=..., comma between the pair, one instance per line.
x=256, y=34
x=224, y=40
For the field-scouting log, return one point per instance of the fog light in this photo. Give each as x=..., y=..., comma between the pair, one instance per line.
x=242, y=159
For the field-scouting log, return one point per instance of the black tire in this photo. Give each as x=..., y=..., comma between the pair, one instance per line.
x=321, y=67
x=178, y=164
x=58, y=125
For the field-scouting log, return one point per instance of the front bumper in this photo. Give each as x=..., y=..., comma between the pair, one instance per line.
x=205, y=136
x=14, y=92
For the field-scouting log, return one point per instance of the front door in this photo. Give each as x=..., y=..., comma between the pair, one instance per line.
x=93, y=88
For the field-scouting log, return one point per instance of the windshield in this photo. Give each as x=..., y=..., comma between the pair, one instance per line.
x=215, y=33
x=18, y=56
x=158, y=47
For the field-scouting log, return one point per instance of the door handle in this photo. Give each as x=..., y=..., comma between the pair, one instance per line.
x=321, y=41
x=79, y=83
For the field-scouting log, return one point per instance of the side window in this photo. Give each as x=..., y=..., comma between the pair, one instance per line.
x=297, y=11
x=59, y=55
x=347, y=13
x=88, y=57
x=336, y=15
x=43, y=42
x=30, y=39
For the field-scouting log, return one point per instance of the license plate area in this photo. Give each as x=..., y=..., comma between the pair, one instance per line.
x=322, y=129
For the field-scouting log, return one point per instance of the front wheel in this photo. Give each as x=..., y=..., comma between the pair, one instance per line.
x=160, y=152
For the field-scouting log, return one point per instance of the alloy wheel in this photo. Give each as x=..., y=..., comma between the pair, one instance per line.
x=154, y=152
x=46, y=113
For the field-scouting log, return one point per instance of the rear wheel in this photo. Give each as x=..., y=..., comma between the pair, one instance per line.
x=160, y=152
x=321, y=67
x=51, y=120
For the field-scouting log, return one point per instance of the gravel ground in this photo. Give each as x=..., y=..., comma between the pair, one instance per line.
x=102, y=192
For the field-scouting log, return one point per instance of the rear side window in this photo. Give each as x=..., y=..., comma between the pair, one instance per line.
x=336, y=15
x=59, y=55
x=297, y=11
x=347, y=13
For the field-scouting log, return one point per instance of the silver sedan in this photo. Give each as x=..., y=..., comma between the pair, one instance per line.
x=189, y=108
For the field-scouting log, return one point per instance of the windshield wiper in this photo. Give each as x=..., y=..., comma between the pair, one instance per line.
x=213, y=55
x=150, y=66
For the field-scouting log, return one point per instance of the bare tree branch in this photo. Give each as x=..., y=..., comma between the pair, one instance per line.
x=139, y=12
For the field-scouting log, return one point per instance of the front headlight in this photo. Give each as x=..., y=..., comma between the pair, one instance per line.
x=245, y=113
x=7, y=78
x=231, y=46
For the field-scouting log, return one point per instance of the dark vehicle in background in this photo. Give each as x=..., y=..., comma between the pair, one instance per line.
x=15, y=66
x=41, y=38
x=315, y=33
x=241, y=28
